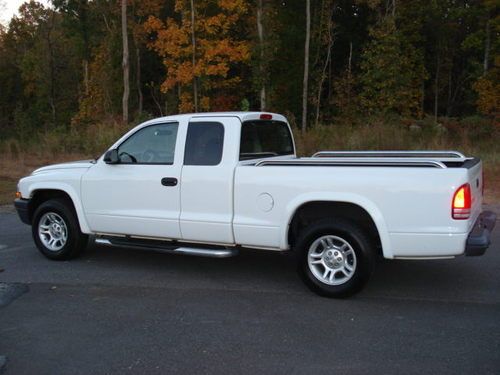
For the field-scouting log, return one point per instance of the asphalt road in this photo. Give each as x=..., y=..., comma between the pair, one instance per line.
x=120, y=311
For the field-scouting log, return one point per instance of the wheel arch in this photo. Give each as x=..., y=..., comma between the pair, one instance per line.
x=313, y=207
x=40, y=193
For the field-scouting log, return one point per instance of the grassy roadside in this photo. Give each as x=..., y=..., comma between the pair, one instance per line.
x=12, y=169
x=472, y=136
x=492, y=185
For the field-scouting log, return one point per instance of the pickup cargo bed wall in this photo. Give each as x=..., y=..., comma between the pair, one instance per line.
x=404, y=225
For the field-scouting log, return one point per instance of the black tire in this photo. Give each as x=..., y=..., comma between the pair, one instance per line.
x=76, y=241
x=358, y=240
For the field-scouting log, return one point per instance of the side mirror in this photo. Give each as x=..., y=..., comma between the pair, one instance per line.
x=111, y=157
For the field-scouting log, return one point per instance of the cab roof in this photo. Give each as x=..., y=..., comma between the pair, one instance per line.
x=242, y=116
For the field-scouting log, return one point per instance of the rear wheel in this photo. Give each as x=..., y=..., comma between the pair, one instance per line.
x=56, y=230
x=336, y=257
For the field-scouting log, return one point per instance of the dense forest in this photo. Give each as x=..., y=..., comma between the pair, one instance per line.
x=77, y=62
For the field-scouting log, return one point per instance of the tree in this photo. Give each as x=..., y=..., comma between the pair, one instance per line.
x=125, y=63
x=37, y=64
x=260, y=32
x=392, y=69
x=193, y=56
x=487, y=86
x=213, y=60
x=139, y=11
x=78, y=23
x=306, y=66
x=488, y=91
x=84, y=62
x=324, y=37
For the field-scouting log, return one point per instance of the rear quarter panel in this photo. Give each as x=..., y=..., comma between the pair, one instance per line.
x=405, y=203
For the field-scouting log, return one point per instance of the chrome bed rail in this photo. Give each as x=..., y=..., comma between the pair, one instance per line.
x=354, y=162
x=390, y=154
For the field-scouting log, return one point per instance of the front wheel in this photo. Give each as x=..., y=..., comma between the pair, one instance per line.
x=56, y=230
x=336, y=257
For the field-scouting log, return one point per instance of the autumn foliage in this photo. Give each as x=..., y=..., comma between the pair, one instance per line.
x=62, y=67
x=219, y=51
x=488, y=91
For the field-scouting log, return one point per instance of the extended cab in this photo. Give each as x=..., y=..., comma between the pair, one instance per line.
x=209, y=184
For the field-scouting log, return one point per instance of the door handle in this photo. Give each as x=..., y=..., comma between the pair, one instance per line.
x=169, y=181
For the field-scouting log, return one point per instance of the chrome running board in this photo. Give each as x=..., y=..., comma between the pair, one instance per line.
x=168, y=247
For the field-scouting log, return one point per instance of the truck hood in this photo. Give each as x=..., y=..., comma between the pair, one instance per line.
x=81, y=164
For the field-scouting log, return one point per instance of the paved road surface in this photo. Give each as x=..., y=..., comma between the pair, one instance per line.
x=120, y=311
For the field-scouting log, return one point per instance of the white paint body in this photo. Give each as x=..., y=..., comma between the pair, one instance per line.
x=238, y=203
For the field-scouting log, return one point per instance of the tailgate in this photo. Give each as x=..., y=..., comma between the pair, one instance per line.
x=475, y=180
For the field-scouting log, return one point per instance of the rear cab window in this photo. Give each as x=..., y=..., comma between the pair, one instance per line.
x=204, y=143
x=265, y=138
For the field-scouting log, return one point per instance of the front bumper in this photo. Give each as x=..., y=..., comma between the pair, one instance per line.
x=479, y=238
x=22, y=207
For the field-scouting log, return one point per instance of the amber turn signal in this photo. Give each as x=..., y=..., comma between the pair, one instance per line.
x=18, y=194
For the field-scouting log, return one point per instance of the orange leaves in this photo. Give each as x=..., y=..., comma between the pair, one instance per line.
x=184, y=72
x=171, y=40
x=186, y=102
x=205, y=103
x=153, y=24
x=214, y=25
x=488, y=91
x=226, y=49
x=220, y=54
x=239, y=7
x=487, y=88
x=180, y=6
x=219, y=49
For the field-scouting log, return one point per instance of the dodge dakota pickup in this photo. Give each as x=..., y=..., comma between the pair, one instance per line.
x=210, y=184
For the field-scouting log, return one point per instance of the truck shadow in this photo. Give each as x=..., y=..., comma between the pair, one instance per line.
x=447, y=280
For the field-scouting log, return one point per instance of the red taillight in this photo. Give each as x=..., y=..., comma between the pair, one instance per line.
x=460, y=208
x=266, y=116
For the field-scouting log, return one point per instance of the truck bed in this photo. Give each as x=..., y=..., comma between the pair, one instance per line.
x=432, y=159
x=409, y=193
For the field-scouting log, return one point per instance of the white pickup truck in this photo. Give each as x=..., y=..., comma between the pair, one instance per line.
x=210, y=184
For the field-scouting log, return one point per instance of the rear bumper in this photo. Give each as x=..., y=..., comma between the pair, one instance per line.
x=22, y=207
x=479, y=238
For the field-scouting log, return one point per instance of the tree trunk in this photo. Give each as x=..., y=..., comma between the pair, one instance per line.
x=86, y=76
x=51, y=71
x=323, y=73
x=260, y=31
x=330, y=81
x=487, y=45
x=448, y=101
x=84, y=31
x=193, y=60
x=349, y=77
x=138, y=77
x=436, y=89
x=153, y=95
x=422, y=98
x=125, y=64
x=306, y=65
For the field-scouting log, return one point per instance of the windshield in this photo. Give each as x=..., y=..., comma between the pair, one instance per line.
x=261, y=139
